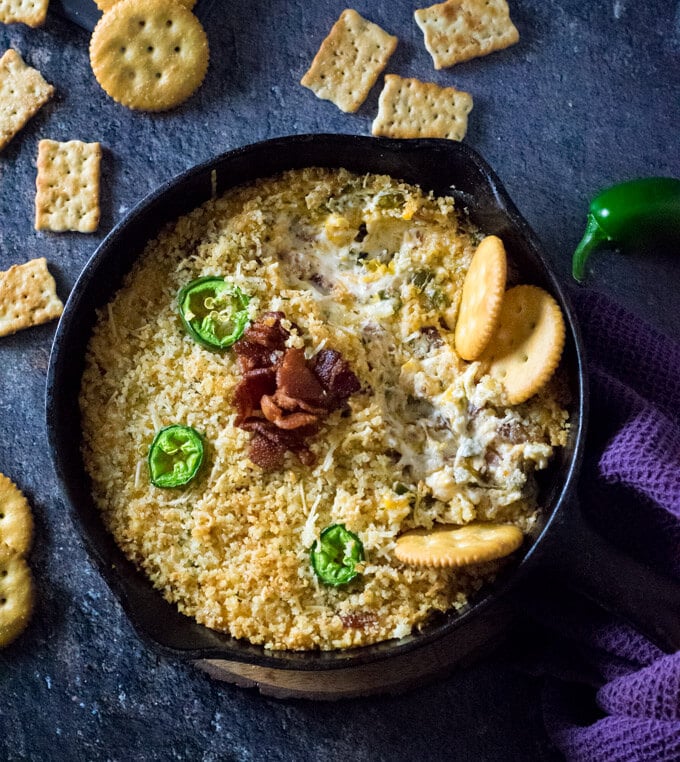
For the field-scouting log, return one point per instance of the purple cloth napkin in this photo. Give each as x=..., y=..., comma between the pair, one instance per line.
x=610, y=694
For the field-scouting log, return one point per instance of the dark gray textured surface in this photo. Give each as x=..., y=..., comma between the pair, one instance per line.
x=589, y=96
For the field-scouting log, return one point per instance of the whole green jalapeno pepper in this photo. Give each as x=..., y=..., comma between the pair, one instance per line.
x=630, y=213
x=214, y=311
x=175, y=456
x=336, y=554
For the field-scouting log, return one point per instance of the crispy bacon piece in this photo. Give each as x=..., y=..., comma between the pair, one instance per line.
x=283, y=397
x=359, y=620
x=293, y=439
x=268, y=331
x=334, y=374
x=255, y=384
x=270, y=443
x=272, y=412
x=296, y=380
x=262, y=342
x=252, y=356
x=266, y=453
x=286, y=402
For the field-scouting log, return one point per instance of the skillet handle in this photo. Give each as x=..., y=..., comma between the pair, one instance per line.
x=623, y=586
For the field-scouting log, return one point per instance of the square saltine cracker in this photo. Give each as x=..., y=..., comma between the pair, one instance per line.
x=409, y=108
x=349, y=61
x=459, y=30
x=67, y=186
x=28, y=296
x=23, y=91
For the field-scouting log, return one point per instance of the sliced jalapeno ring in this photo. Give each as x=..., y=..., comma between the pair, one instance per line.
x=336, y=554
x=214, y=311
x=175, y=456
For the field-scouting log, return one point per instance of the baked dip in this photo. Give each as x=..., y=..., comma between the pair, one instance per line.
x=274, y=397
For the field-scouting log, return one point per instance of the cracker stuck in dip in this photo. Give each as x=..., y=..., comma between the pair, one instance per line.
x=331, y=273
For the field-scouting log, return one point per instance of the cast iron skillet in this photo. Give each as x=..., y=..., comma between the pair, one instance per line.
x=562, y=543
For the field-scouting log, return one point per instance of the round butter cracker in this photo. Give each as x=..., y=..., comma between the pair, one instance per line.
x=482, y=298
x=452, y=546
x=149, y=54
x=16, y=595
x=527, y=346
x=106, y=5
x=16, y=520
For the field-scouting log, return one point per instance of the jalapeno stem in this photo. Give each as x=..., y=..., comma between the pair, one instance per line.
x=592, y=238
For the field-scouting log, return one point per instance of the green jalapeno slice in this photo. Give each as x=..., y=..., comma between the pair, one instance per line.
x=175, y=456
x=213, y=311
x=336, y=554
